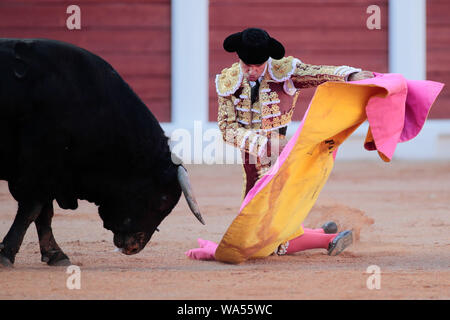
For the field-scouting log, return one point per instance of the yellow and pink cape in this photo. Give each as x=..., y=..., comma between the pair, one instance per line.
x=274, y=210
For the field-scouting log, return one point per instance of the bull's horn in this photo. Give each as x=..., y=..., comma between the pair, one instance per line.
x=183, y=179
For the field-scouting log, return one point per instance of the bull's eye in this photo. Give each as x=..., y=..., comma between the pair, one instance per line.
x=164, y=198
x=127, y=221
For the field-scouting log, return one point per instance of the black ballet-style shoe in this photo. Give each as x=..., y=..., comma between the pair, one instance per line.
x=330, y=227
x=340, y=242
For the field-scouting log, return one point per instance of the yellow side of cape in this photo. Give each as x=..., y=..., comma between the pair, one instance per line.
x=276, y=213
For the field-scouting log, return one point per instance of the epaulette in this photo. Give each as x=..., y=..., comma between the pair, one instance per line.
x=229, y=80
x=281, y=70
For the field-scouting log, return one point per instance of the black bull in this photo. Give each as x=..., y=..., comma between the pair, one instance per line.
x=71, y=128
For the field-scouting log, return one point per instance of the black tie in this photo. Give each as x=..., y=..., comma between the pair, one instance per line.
x=255, y=92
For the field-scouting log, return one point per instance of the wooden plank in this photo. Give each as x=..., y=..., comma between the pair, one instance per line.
x=139, y=64
x=92, y=16
x=84, y=2
x=159, y=107
x=101, y=41
x=150, y=87
x=214, y=3
x=438, y=37
x=134, y=37
x=438, y=60
x=438, y=13
x=292, y=16
x=440, y=109
x=157, y=65
x=440, y=76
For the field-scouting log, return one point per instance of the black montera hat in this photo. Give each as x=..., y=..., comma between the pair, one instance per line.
x=254, y=46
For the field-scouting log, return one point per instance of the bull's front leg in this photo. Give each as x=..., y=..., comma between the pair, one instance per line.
x=50, y=251
x=26, y=214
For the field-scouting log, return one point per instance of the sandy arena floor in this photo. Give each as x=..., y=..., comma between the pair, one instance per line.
x=399, y=212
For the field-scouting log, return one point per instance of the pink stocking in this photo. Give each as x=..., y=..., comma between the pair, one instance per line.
x=310, y=240
x=318, y=230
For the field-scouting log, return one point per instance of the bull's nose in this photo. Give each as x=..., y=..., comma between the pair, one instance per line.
x=131, y=250
x=131, y=243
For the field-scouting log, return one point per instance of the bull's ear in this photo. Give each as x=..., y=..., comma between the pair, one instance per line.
x=21, y=52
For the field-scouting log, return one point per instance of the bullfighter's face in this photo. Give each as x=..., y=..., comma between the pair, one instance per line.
x=252, y=72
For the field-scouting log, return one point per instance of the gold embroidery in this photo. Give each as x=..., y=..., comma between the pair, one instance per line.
x=307, y=75
x=256, y=116
x=267, y=97
x=245, y=95
x=248, y=126
x=244, y=136
x=282, y=69
x=229, y=80
x=244, y=116
x=270, y=110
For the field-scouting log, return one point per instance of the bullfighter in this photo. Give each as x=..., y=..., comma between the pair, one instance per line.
x=257, y=98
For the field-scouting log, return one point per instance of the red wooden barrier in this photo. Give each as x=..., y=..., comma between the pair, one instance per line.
x=438, y=57
x=133, y=36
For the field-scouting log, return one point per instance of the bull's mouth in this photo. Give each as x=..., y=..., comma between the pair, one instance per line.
x=131, y=243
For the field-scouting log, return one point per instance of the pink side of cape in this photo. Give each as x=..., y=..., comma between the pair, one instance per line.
x=420, y=98
x=397, y=117
x=401, y=115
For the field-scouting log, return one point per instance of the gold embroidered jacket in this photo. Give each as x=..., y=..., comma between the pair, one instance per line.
x=248, y=126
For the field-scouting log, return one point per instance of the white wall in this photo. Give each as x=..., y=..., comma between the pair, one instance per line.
x=189, y=61
x=407, y=38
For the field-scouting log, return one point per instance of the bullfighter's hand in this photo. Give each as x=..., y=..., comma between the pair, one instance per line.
x=360, y=75
x=205, y=252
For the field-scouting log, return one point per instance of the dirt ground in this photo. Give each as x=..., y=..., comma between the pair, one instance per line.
x=399, y=212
